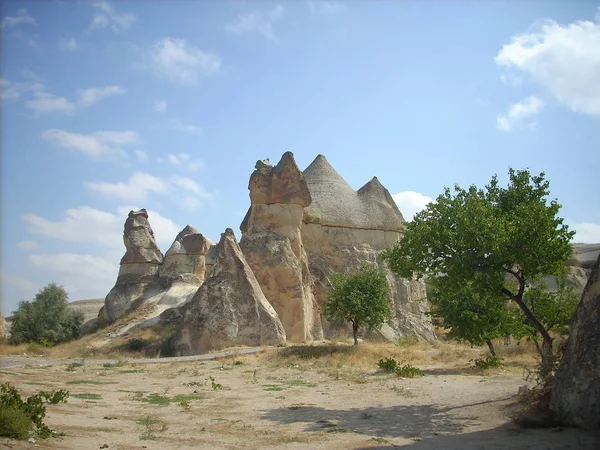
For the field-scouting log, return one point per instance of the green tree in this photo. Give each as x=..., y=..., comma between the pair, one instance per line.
x=47, y=319
x=496, y=240
x=471, y=316
x=360, y=297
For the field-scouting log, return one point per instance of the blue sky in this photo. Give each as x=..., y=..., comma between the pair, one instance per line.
x=108, y=106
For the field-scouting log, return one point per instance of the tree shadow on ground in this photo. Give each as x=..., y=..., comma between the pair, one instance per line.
x=429, y=427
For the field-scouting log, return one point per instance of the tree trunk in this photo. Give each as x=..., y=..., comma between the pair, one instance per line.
x=490, y=345
x=355, y=331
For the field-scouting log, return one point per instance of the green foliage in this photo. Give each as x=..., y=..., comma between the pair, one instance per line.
x=33, y=407
x=88, y=396
x=492, y=242
x=361, y=297
x=408, y=371
x=14, y=423
x=489, y=362
x=388, y=364
x=47, y=320
x=216, y=386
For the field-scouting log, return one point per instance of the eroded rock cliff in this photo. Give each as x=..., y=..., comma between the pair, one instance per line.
x=272, y=244
x=229, y=308
x=576, y=387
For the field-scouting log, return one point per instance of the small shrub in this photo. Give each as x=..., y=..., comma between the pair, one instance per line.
x=388, y=364
x=14, y=423
x=408, y=371
x=489, y=362
x=216, y=386
x=88, y=396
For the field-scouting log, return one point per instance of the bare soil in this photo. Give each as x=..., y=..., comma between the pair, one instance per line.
x=324, y=397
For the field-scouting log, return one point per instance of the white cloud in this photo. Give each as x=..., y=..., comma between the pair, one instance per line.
x=26, y=287
x=69, y=44
x=83, y=276
x=586, y=232
x=191, y=165
x=191, y=186
x=181, y=62
x=179, y=125
x=90, y=96
x=107, y=17
x=322, y=7
x=141, y=156
x=519, y=112
x=45, y=102
x=100, y=143
x=22, y=17
x=256, y=22
x=562, y=58
x=27, y=245
x=14, y=91
x=96, y=227
x=160, y=106
x=136, y=189
x=410, y=203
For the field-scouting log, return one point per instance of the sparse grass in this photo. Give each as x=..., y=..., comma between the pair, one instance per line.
x=132, y=371
x=87, y=396
x=90, y=382
x=146, y=421
x=157, y=399
x=147, y=437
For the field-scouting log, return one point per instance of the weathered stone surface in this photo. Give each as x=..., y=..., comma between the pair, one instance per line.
x=343, y=229
x=188, y=260
x=579, y=267
x=3, y=328
x=576, y=386
x=229, y=308
x=139, y=241
x=272, y=244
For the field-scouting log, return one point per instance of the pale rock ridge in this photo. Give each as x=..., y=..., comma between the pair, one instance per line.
x=343, y=229
x=228, y=309
x=576, y=387
x=272, y=244
x=3, y=328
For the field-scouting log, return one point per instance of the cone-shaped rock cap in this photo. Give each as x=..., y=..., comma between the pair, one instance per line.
x=190, y=241
x=335, y=203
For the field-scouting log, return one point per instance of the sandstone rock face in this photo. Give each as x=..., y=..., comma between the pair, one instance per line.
x=343, y=229
x=229, y=308
x=576, y=386
x=580, y=266
x=272, y=244
x=3, y=328
x=138, y=273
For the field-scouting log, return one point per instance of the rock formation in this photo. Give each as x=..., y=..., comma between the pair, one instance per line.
x=3, y=328
x=138, y=273
x=272, y=244
x=343, y=229
x=228, y=309
x=576, y=386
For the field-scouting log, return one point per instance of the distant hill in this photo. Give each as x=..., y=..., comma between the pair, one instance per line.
x=88, y=307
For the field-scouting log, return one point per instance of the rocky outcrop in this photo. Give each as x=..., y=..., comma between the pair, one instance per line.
x=272, y=244
x=343, y=229
x=229, y=309
x=576, y=386
x=3, y=328
x=138, y=273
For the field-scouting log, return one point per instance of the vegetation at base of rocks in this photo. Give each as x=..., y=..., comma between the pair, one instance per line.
x=489, y=362
x=47, y=320
x=360, y=297
x=408, y=371
x=492, y=244
x=13, y=408
x=388, y=364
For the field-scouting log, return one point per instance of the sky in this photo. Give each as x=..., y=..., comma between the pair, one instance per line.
x=109, y=106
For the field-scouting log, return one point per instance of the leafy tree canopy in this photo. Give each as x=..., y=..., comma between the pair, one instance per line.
x=47, y=319
x=361, y=297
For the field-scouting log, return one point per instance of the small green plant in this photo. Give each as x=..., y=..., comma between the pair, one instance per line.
x=388, y=364
x=216, y=386
x=87, y=396
x=489, y=362
x=408, y=371
x=147, y=437
x=147, y=421
x=32, y=408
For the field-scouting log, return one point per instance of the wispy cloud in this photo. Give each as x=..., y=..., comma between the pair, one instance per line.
x=14, y=91
x=185, y=160
x=181, y=62
x=323, y=7
x=564, y=59
x=90, y=96
x=27, y=245
x=160, y=106
x=136, y=189
x=22, y=17
x=141, y=156
x=98, y=144
x=69, y=44
x=519, y=112
x=106, y=16
x=179, y=125
x=257, y=22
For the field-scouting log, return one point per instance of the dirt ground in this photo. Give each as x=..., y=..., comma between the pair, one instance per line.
x=329, y=397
